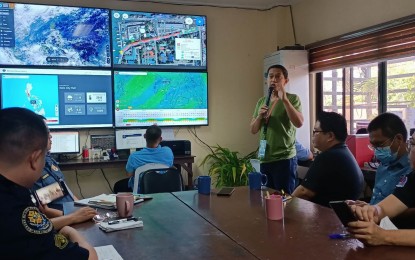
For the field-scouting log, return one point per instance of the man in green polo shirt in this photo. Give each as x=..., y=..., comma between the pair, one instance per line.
x=277, y=123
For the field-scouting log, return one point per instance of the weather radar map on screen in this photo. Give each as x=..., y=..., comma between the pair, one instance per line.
x=43, y=35
x=165, y=98
x=148, y=40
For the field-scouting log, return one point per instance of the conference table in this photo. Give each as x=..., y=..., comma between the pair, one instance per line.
x=189, y=225
x=171, y=231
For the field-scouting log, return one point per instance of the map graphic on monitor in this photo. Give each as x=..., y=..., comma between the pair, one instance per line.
x=165, y=98
x=66, y=98
x=148, y=40
x=54, y=35
x=34, y=92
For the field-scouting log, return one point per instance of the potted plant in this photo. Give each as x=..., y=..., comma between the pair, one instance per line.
x=227, y=168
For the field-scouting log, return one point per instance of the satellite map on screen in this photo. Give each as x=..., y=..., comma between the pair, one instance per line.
x=54, y=35
x=149, y=39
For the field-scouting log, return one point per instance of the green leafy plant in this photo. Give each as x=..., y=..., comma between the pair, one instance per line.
x=227, y=168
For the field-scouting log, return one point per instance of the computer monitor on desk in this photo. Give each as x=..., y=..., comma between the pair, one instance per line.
x=66, y=142
x=129, y=139
x=359, y=146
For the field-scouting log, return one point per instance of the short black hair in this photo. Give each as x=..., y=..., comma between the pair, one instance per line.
x=333, y=122
x=390, y=124
x=41, y=117
x=153, y=133
x=277, y=66
x=21, y=133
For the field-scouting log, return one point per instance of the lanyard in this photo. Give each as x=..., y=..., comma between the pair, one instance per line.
x=268, y=117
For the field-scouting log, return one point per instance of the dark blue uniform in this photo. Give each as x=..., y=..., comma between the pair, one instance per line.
x=28, y=234
x=51, y=174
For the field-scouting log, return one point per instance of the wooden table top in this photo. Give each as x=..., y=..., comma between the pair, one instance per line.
x=171, y=231
x=303, y=234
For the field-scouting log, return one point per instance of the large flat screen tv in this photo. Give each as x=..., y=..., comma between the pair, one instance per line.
x=44, y=35
x=67, y=98
x=158, y=40
x=163, y=98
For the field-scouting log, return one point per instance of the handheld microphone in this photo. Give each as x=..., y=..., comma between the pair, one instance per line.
x=270, y=89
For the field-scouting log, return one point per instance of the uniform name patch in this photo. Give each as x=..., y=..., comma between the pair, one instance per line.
x=35, y=222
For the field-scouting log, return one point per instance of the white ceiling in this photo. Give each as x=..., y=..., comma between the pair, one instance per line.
x=248, y=4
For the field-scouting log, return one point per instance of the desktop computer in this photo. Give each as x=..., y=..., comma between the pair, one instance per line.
x=359, y=146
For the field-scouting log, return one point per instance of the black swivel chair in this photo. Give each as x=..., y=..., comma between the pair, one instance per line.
x=158, y=180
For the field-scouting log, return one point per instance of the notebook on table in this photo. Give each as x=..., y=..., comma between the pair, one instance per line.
x=108, y=201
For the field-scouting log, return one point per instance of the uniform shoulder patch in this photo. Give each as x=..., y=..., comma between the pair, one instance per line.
x=35, y=222
x=402, y=181
x=54, y=168
x=60, y=241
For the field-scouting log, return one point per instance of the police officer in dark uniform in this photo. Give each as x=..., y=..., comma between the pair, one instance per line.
x=26, y=232
x=52, y=174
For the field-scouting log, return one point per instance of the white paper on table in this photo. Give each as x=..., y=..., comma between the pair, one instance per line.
x=387, y=224
x=107, y=253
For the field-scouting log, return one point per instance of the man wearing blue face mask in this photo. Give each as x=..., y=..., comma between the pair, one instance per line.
x=388, y=134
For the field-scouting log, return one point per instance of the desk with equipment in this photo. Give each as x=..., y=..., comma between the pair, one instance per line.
x=127, y=141
x=185, y=161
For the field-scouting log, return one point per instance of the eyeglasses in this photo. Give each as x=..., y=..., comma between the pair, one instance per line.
x=378, y=147
x=410, y=144
x=318, y=131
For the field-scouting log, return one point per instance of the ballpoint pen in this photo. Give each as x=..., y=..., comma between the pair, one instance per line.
x=112, y=222
x=339, y=236
x=286, y=198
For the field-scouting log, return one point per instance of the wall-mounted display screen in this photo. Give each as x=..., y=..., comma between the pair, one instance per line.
x=44, y=35
x=67, y=98
x=154, y=40
x=165, y=98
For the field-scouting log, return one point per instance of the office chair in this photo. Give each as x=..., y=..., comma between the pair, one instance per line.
x=122, y=185
x=161, y=180
x=145, y=167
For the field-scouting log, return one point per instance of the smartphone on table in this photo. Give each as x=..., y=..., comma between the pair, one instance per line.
x=226, y=191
